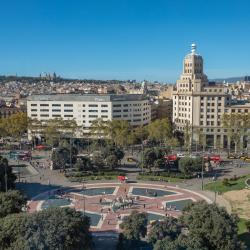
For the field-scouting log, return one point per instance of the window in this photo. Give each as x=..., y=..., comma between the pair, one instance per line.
x=117, y=116
x=83, y=116
x=56, y=115
x=104, y=116
x=83, y=105
x=68, y=110
x=34, y=115
x=93, y=111
x=137, y=120
x=201, y=123
x=44, y=105
x=93, y=105
x=68, y=115
x=68, y=105
x=33, y=109
x=44, y=115
x=93, y=116
x=137, y=115
x=219, y=98
x=117, y=105
x=56, y=110
x=33, y=104
x=104, y=105
x=104, y=111
x=117, y=111
x=44, y=110
x=125, y=110
x=56, y=105
x=125, y=105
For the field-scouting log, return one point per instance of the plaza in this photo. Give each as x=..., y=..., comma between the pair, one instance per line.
x=108, y=203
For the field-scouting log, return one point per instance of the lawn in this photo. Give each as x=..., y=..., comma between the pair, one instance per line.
x=158, y=178
x=244, y=235
x=218, y=186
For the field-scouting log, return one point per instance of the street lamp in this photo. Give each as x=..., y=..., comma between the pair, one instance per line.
x=202, y=169
x=83, y=189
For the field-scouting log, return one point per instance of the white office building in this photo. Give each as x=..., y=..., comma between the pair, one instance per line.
x=84, y=109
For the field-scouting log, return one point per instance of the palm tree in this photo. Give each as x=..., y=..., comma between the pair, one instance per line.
x=97, y=128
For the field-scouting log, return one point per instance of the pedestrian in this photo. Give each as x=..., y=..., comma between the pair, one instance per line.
x=125, y=190
x=144, y=205
x=100, y=200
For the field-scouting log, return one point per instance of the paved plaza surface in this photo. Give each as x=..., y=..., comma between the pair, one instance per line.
x=108, y=203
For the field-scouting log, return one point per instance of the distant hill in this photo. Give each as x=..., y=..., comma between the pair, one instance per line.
x=229, y=79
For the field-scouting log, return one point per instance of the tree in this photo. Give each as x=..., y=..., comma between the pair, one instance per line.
x=118, y=131
x=6, y=174
x=112, y=161
x=12, y=231
x=159, y=163
x=188, y=136
x=168, y=244
x=237, y=126
x=160, y=130
x=134, y=226
x=98, y=161
x=83, y=163
x=98, y=128
x=60, y=157
x=16, y=124
x=189, y=165
x=54, y=228
x=210, y=226
x=11, y=202
x=149, y=157
x=169, y=227
x=113, y=150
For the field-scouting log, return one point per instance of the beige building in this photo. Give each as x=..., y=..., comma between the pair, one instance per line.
x=198, y=103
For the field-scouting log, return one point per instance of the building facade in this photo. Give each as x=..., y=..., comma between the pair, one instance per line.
x=84, y=109
x=200, y=105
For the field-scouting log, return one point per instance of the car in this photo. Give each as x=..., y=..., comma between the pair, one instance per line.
x=232, y=156
x=180, y=155
x=131, y=159
x=247, y=159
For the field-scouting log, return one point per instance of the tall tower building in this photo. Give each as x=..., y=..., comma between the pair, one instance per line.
x=197, y=103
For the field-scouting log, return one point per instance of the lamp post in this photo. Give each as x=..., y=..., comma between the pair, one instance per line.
x=202, y=169
x=6, y=178
x=83, y=189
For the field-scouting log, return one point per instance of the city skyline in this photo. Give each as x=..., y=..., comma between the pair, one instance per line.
x=130, y=40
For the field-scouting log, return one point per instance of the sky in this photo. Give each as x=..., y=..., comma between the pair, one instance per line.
x=123, y=39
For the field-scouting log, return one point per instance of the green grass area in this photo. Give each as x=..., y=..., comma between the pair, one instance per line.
x=158, y=178
x=218, y=186
x=92, y=178
x=244, y=235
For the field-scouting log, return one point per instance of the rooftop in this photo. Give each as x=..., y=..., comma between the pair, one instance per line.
x=87, y=97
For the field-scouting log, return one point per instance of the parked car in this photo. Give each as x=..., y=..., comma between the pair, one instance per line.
x=232, y=156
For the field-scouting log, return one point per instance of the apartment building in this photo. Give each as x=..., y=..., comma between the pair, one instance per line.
x=84, y=109
x=198, y=103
